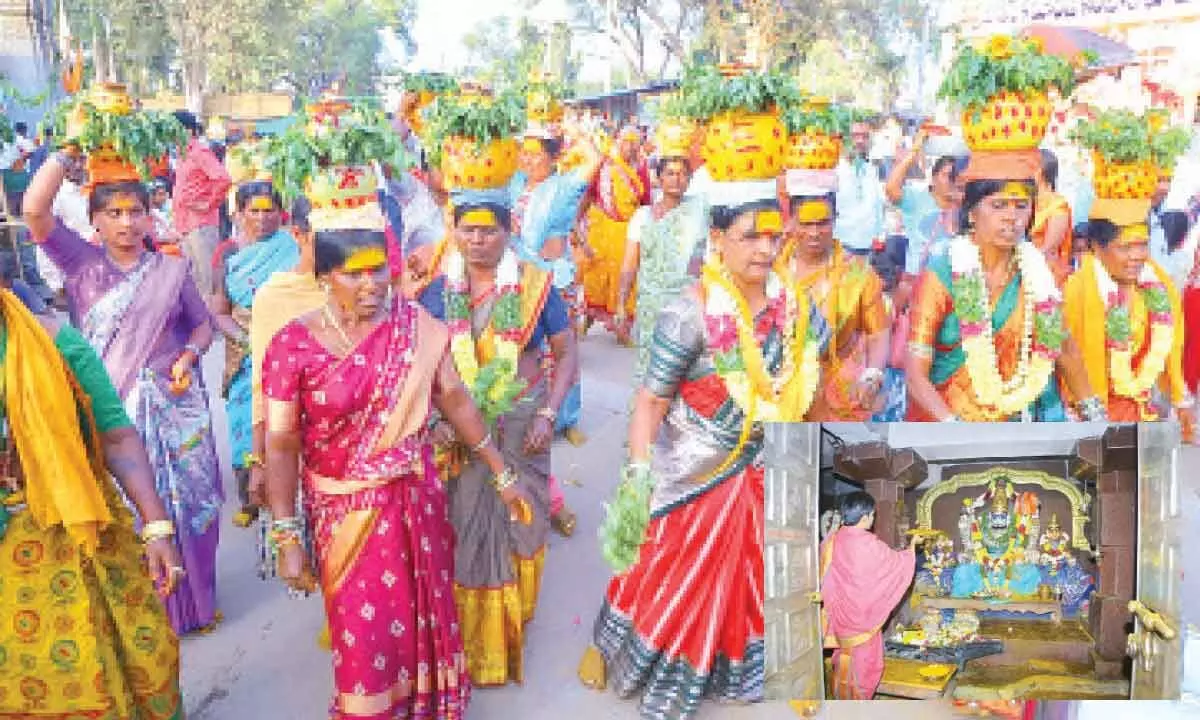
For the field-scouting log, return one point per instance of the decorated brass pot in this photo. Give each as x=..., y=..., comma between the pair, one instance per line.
x=1009, y=121
x=111, y=98
x=745, y=146
x=468, y=165
x=813, y=149
x=1123, y=181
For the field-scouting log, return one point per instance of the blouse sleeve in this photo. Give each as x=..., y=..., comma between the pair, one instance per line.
x=676, y=344
x=93, y=377
x=554, y=319
x=66, y=249
x=282, y=364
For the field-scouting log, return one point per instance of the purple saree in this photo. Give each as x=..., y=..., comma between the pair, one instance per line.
x=139, y=322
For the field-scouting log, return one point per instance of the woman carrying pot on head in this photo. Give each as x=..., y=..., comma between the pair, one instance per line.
x=267, y=247
x=76, y=595
x=349, y=392
x=736, y=350
x=143, y=315
x=1051, y=229
x=988, y=342
x=502, y=314
x=850, y=296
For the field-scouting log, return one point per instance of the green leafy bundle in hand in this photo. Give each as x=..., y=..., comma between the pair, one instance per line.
x=496, y=389
x=626, y=518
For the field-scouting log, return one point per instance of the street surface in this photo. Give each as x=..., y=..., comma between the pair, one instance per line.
x=263, y=662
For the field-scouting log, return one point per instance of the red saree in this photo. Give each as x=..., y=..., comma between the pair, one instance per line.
x=382, y=533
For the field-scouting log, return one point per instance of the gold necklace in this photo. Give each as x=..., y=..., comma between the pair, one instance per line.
x=331, y=321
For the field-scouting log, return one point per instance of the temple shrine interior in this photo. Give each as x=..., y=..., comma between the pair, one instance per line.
x=1029, y=556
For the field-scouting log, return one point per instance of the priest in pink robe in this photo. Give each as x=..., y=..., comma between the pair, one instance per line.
x=862, y=581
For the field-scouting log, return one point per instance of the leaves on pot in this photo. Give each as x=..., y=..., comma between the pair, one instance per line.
x=436, y=83
x=1006, y=64
x=705, y=93
x=356, y=137
x=1119, y=136
x=137, y=137
x=475, y=118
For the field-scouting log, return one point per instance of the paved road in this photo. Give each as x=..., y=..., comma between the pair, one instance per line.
x=263, y=662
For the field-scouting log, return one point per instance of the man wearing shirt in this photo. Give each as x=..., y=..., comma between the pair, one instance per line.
x=859, y=196
x=201, y=183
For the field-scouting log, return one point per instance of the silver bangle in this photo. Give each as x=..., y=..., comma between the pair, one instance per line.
x=487, y=439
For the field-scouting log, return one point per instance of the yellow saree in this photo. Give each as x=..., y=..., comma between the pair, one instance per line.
x=620, y=190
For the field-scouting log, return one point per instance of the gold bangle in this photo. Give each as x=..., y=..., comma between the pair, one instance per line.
x=158, y=530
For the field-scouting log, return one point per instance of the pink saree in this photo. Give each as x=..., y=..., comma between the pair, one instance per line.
x=381, y=529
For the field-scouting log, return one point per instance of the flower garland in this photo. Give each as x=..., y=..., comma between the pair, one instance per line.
x=495, y=386
x=783, y=397
x=1118, y=328
x=1041, y=339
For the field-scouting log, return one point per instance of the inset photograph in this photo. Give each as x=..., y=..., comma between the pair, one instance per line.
x=975, y=563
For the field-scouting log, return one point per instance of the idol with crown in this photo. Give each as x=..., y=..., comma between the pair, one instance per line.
x=996, y=567
x=1122, y=307
x=503, y=313
x=988, y=340
x=739, y=348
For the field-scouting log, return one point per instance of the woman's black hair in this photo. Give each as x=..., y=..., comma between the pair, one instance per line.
x=248, y=191
x=331, y=248
x=103, y=194
x=503, y=214
x=943, y=162
x=830, y=197
x=856, y=506
x=1101, y=232
x=301, y=207
x=1050, y=168
x=976, y=190
x=552, y=146
x=662, y=163
x=723, y=216
x=1175, y=224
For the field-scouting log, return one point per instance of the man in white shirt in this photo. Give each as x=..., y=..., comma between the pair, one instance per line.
x=859, y=197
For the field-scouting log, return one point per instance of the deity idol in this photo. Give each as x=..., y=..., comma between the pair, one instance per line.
x=940, y=560
x=1061, y=570
x=997, y=568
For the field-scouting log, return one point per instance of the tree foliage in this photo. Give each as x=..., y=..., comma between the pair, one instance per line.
x=502, y=54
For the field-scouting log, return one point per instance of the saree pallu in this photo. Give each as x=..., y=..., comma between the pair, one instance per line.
x=386, y=565
x=83, y=638
x=935, y=326
x=686, y=622
x=852, y=301
x=498, y=563
x=177, y=433
x=246, y=271
x=1086, y=313
x=1191, y=338
x=619, y=192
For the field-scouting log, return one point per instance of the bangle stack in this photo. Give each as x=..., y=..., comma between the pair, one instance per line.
x=158, y=530
x=286, y=532
x=1092, y=409
x=487, y=439
x=506, y=479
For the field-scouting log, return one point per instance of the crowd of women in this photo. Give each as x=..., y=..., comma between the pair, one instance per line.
x=403, y=347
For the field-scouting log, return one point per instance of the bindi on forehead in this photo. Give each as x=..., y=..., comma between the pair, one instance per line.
x=125, y=203
x=365, y=259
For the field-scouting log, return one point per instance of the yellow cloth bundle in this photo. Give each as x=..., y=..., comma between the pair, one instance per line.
x=60, y=477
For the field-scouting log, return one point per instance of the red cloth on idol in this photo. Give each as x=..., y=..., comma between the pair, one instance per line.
x=860, y=588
